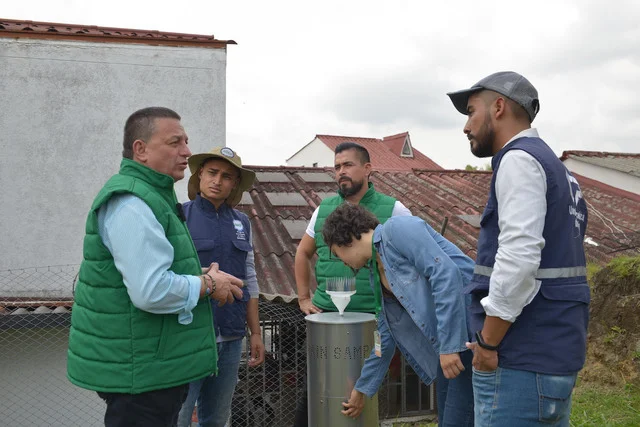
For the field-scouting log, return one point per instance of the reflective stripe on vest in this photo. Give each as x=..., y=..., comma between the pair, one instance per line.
x=542, y=273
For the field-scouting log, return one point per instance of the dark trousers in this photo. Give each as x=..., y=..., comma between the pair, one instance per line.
x=157, y=408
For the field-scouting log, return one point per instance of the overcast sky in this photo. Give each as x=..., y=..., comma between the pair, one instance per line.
x=372, y=68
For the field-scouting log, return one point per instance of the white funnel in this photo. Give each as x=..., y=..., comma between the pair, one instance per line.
x=340, y=290
x=341, y=299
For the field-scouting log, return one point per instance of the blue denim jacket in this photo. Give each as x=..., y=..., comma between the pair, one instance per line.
x=426, y=273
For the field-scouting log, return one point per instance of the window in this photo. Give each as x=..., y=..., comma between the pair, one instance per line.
x=406, y=149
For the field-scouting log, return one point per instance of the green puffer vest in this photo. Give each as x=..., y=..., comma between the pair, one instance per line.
x=381, y=206
x=116, y=347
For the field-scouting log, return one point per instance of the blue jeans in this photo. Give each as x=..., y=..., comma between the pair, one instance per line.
x=214, y=393
x=455, y=397
x=509, y=397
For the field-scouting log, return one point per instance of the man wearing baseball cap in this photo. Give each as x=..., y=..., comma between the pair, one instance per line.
x=530, y=298
x=222, y=235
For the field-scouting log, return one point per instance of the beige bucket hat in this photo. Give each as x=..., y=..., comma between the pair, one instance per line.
x=225, y=153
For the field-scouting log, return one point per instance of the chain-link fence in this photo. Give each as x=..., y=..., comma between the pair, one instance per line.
x=35, y=314
x=267, y=395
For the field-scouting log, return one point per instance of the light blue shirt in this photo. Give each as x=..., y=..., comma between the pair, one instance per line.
x=427, y=318
x=252, y=277
x=143, y=255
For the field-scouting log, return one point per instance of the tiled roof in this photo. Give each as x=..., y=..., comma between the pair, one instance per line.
x=396, y=142
x=21, y=312
x=385, y=153
x=49, y=30
x=34, y=306
x=623, y=162
x=283, y=199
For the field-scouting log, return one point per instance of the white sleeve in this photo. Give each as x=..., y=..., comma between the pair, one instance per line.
x=400, y=210
x=312, y=224
x=521, y=188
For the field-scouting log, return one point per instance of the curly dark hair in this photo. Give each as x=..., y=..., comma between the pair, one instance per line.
x=346, y=223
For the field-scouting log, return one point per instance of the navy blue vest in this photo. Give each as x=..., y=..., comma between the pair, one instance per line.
x=222, y=236
x=550, y=334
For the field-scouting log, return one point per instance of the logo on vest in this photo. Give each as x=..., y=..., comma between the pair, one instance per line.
x=240, y=235
x=576, y=195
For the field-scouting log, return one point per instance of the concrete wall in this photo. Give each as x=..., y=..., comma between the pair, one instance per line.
x=315, y=152
x=608, y=176
x=64, y=107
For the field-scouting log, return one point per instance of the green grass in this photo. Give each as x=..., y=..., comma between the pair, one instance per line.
x=592, y=269
x=605, y=407
x=415, y=425
x=594, y=407
x=626, y=267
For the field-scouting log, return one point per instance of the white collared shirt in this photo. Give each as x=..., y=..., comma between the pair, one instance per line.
x=521, y=187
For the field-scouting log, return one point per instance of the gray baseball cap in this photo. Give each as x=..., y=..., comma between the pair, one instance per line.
x=507, y=83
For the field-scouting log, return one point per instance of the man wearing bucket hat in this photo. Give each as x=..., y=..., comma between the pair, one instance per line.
x=222, y=235
x=530, y=298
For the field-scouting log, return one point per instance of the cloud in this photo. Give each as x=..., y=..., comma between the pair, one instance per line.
x=601, y=32
x=412, y=97
x=375, y=68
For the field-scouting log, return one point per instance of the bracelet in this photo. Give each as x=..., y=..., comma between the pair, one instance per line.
x=483, y=344
x=213, y=283
x=207, y=290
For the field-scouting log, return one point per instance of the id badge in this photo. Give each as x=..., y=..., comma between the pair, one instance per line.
x=377, y=346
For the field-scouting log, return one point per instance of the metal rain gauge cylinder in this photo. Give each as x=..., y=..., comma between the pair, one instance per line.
x=337, y=346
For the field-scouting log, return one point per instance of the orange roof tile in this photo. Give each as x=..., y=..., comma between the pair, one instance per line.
x=49, y=30
x=385, y=153
x=628, y=163
x=278, y=221
x=431, y=194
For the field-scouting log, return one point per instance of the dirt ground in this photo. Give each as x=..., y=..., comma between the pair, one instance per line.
x=613, y=355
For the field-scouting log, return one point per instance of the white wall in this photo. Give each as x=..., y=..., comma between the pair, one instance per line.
x=64, y=108
x=608, y=176
x=315, y=152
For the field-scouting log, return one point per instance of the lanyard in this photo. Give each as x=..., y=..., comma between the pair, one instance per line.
x=377, y=282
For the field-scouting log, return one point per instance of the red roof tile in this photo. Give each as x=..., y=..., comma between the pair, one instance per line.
x=50, y=30
x=431, y=194
x=396, y=142
x=623, y=162
x=579, y=153
x=613, y=224
x=385, y=153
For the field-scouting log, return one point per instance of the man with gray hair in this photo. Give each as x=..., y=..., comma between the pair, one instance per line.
x=530, y=298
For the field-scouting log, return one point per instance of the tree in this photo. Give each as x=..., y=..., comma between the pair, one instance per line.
x=487, y=167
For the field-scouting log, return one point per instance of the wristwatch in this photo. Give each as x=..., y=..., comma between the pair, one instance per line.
x=483, y=344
